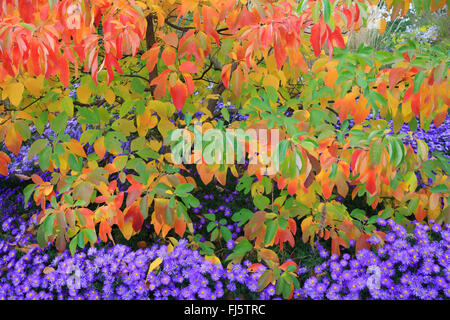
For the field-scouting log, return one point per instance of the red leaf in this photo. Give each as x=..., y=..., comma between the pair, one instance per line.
x=395, y=75
x=254, y=267
x=292, y=187
x=370, y=185
x=180, y=226
x=135, y=213
x=337, y=37
x=280, y=53
x=362, y=243
x=189, y=83
x=179, y=94
x=415, y=103
x=286, y=264
x=188, y=67
x=64, y=72
x=315, y=39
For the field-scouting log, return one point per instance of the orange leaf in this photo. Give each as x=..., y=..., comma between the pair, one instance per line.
x=152, y=57
x=104, y=231
x=292, y=186
x=395, y=75
x=75, y=147
x=330, y=77
x=168, y=56
x=13, y=140
x=225, y=75
x=180, y=226
x=205, y=174
x=171, y=39
x=4, y=160
x=361, y=110
x=99, y=147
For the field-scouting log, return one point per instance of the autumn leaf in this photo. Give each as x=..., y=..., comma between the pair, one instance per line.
x=188, y=67
x=179, y=94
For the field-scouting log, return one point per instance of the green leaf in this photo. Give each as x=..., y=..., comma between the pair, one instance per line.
x=44, y=158
x=358, y=214
x=418, y=79
x=36, y=147
x=59, y=123
x=91, y=235
x=272, y=93
x=183, y=189
x=422, y=150
x=326, y=10
x=440, y=188
x=48, y=224
x=161, y=189
x=271, y=230
x=210, y=226
x=27, y=192
x=265, y=279
x=375, y=152
x=226, y=233
x=169, y=215
x=225, y=114
x=413, y=205
x=215, y=234
x=242, y=216
x=261, y=202
x=23, y=128
x=243, y=247
x=291, y=268
x=73, y=245
x=41, y=237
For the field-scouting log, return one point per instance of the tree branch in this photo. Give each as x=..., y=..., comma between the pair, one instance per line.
x=150, y=41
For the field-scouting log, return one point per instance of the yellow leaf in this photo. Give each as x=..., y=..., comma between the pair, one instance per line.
x=13, y=140
x=125, y=126
x=127, y=230
x=213, y=259
x=155, y=145
x=155, y=264
x=34, y=85
x=83, y=93
x=319, y=65
x=110, y=97
x=271, y=81
x=164, y=126
x=163, y=109
x=14, y=91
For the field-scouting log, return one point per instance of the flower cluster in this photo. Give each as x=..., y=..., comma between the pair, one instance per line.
x=13, y=227
x=119, y=273
x=408, y=266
